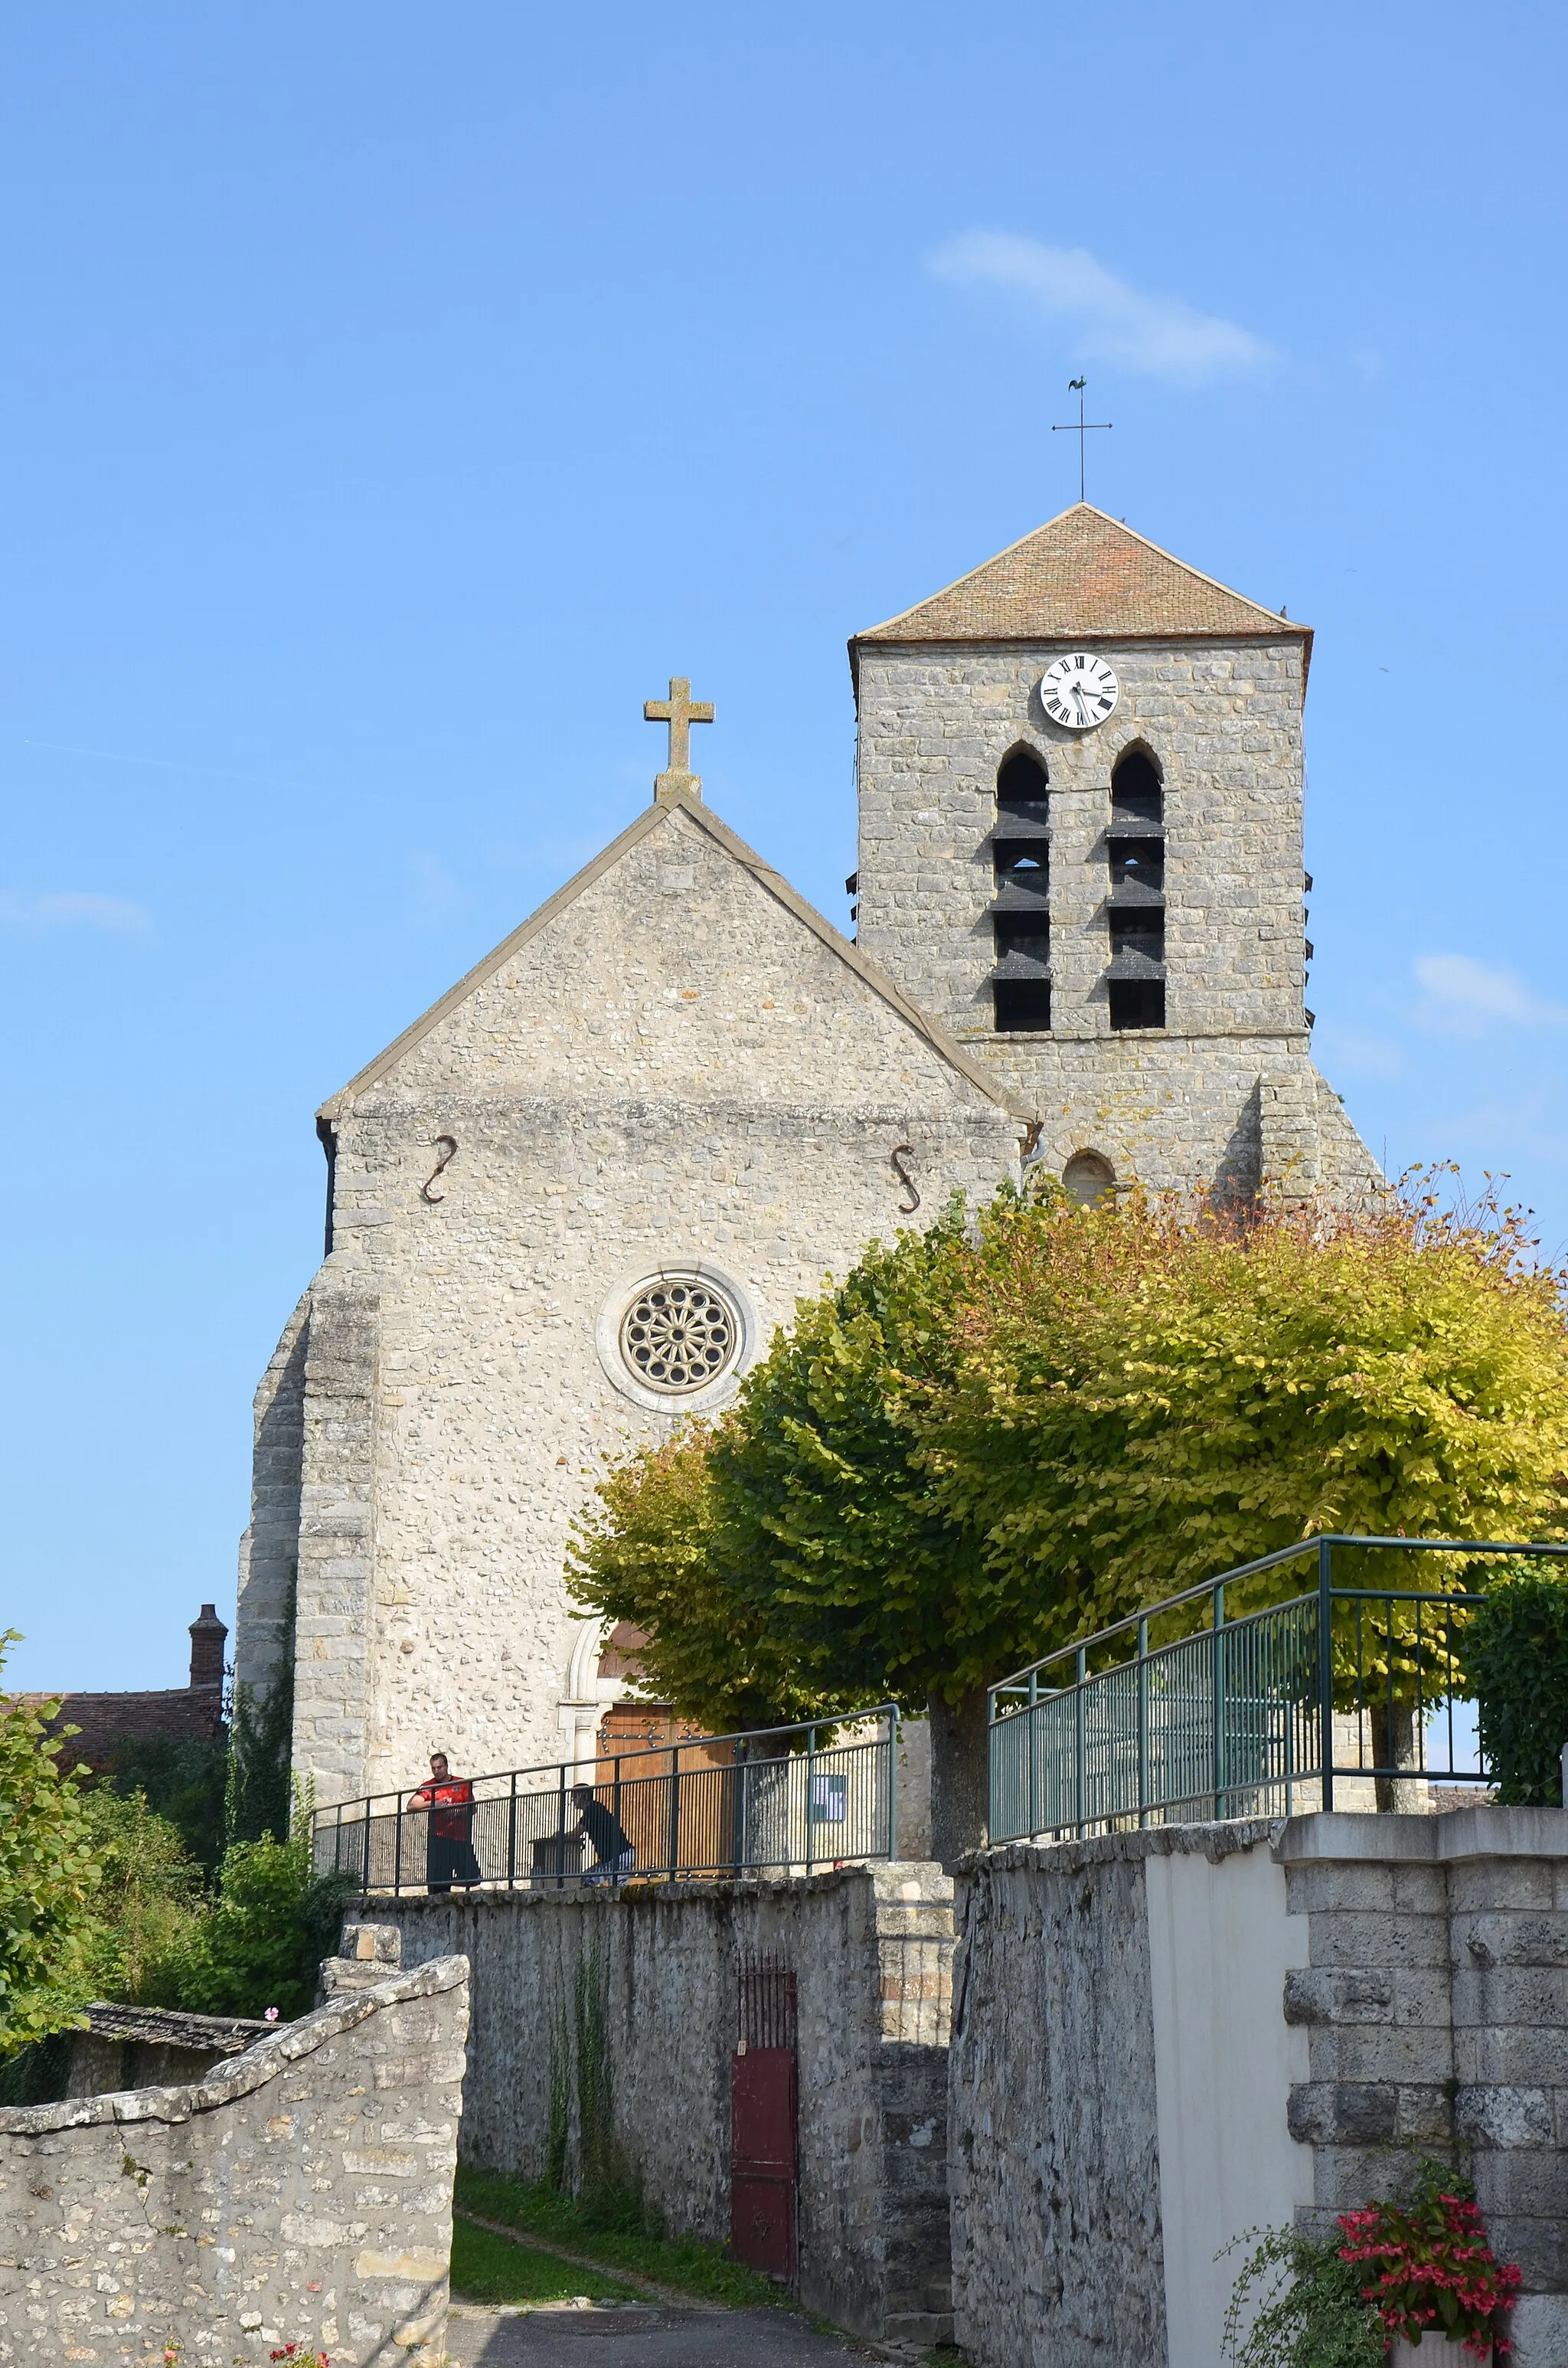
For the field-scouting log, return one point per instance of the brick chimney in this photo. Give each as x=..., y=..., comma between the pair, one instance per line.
x=207, y=1638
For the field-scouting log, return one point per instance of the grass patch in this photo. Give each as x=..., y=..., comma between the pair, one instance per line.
x=678, y=2262
x=488, y=2268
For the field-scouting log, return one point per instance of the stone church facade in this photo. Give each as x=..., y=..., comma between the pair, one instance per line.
x=569, y=1205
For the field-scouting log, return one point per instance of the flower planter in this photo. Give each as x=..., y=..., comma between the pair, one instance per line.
x=1432, y=2352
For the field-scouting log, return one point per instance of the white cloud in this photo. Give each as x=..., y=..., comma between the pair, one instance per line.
x=1466, y=997
x=1159, y=335
x=69, y=908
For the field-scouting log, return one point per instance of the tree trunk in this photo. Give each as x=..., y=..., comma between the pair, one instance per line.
x=1394, y=1746
x=958, y=1776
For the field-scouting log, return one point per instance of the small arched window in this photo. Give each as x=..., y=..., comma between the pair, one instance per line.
x=1088, y=1176
x=1021, y=916
x=1135, y=843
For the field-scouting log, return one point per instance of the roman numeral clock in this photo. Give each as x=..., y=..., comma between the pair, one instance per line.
x=1079, y=691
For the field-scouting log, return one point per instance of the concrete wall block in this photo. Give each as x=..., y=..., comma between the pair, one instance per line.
x=1344, y=2178
x=1331, y=1887
x=1539, y=2247
x=1333, y=1995
x=1499, y=1939
x=1514, y=2056
x=1380, y=2052
x=1506, y=2117
x=1420, y=1890
x=1515, y=1886
x=1523, y=2180
x=1499, y=1995
x=1369, y=1938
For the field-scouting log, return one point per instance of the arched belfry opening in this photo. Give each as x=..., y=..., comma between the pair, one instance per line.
x=1022, y=783
x=1135, y=844
x=1021, y=914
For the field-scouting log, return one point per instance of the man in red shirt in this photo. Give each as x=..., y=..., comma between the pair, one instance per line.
x=448, y=1848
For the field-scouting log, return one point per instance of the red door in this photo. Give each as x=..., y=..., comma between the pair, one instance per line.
x=762, y=2159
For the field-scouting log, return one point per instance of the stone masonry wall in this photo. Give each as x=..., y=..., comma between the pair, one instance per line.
x=869, y=1950
x=301, y=2194
x=269, y=1551
x=1418, y=1968
x=1436, y=2008
x=1178, y=1109
x=673, y=1068
x=1223, y=724
x=1053, y=2105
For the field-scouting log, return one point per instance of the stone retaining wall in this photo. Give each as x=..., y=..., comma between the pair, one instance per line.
x=299, y=2193
x=1163, y=2039
x=659, y=1968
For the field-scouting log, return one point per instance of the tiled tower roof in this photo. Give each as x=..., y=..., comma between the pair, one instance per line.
x=1083, y=576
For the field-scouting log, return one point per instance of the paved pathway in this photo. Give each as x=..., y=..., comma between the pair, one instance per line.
x=637, y=2335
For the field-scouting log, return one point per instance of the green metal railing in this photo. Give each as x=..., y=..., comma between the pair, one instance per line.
x=781, y=1799
x=1193, y=1710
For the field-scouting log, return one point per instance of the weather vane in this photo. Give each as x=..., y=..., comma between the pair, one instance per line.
x=1080, y=428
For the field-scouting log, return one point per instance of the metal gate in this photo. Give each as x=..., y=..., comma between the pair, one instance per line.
x=762, y=2121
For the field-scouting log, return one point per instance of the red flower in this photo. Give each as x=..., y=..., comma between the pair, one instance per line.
x=1432, y=2267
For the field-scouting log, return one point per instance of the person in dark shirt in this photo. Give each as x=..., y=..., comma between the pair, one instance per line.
x=448, y=1848
x=612, y=1848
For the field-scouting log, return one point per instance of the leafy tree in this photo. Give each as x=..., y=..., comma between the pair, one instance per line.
x=1142, y=1400
x=989, y=1440
x=47, y=1876
x=1516, y=1656
x=150, y=1901
x=183, y=1780
x=262, y=1938
x=788, y=1561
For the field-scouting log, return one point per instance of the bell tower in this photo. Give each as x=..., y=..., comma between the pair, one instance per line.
x=1080, y=850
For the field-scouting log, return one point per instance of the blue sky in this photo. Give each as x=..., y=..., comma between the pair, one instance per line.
x=395, y=398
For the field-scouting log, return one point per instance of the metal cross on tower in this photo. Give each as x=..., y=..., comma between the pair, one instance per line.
x=1080, y=428
x=680, y=712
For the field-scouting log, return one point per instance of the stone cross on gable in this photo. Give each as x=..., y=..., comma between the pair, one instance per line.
x=680, y=712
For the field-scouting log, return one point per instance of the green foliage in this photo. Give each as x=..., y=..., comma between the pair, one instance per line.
x=607, y=2192
x=993, y=1439
x=1417, y=2262
x=49, y=1876
x=1297, y=2305
x=643, y=2247
x=150, y=1898
x=262, y=1938
x=1141, y=1401
x=492, y=2268
x=1516, y=1656
x=259, y=1799
x=182, y=1781
x=1425, y=2264
x=789, y=1557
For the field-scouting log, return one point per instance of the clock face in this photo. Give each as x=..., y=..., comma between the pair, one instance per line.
x=1079, y=691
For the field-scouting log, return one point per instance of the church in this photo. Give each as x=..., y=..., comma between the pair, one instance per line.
x=570, y=1204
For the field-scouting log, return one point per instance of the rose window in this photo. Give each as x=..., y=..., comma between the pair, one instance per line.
x=678, y=1335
